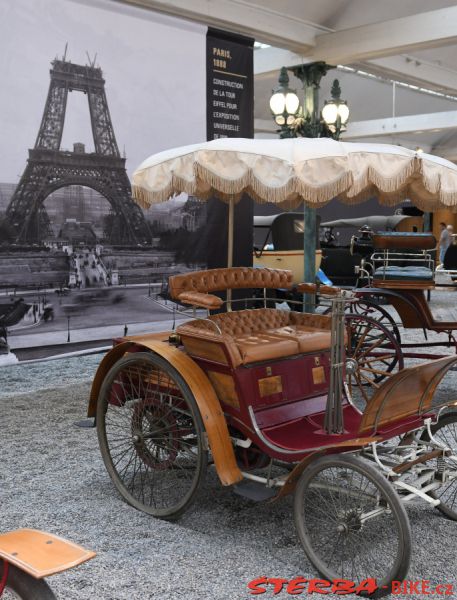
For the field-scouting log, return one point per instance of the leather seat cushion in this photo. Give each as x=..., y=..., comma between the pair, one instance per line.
x=409, y=273
x=264, y=345
x=255, y=335
x=309, y=339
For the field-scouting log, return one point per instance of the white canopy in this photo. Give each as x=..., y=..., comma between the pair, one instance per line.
x=287, y=172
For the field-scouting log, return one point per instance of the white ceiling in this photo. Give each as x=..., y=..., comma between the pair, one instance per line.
x=405, y=45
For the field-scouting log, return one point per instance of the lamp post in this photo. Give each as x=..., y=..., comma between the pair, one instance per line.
x=297, y=120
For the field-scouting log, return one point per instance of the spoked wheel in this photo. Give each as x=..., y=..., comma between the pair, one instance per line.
x=351, y=523
x=151, y=435
x=370, y=308
x=445, y=431
x=22, y=586
x=374, y=355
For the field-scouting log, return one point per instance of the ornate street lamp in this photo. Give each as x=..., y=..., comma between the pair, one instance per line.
x=284, y=104
x=335, y=113
x=305, y=121
x=295, y=120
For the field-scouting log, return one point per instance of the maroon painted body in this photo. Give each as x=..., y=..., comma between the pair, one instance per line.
x=288, y=399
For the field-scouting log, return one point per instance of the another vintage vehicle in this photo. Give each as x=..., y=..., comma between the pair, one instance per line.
x=260, y=394
x=345, y=242
x=400, y=272
x=278, y=243
x=27, y=556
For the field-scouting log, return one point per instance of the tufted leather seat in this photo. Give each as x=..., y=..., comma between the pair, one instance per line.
x=409, y=273
x=255, y=335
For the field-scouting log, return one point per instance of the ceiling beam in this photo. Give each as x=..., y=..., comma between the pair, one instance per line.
x=387, y=38
x=420, y=123
x=268, y=61
x=266, y=25
x=415, y=71
x=401, y=125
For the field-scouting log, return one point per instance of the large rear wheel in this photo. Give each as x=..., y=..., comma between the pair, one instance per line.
x=351, y=523
x=151, y=435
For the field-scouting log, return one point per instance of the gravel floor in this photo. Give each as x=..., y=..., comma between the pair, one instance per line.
x=52, y=477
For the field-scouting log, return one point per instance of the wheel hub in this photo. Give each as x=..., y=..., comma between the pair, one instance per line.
x=154, y=434
x=350, y=522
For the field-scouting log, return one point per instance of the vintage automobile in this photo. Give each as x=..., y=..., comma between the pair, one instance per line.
x=345, y=242
x=260, y=395
x=278, y=243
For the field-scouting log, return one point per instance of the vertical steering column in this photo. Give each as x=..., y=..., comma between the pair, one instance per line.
x=334, y=410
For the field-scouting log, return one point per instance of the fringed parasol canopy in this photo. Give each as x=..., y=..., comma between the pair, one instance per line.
x=290, y=171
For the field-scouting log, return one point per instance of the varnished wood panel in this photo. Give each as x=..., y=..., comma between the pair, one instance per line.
x=270, y=385
x=225, y=388
x=204, y=349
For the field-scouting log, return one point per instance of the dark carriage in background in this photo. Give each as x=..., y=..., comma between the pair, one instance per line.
x=401, y=273
x=346, y=243
x=278, y=243
x=342, y=244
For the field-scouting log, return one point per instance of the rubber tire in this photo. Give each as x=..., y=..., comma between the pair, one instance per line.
x=445, y=420
x=26, y=586
x=173, y=513
x=398, y=510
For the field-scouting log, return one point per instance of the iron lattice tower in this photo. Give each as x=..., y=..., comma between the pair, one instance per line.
x=50, y=168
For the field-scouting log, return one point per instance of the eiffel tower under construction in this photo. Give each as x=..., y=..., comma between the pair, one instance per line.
x=50, y=168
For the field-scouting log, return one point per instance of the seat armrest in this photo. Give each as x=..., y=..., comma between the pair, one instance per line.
x=312, y=288
x=201, y=300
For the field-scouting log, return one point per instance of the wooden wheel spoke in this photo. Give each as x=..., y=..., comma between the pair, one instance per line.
x=361, y=387
x=379, y=358
x=361, y=340
x=376, y=371
x=371, y=348
x=368, y=380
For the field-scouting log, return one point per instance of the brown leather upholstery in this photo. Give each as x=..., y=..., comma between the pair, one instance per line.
x=255, y=335
x=214, y=280
x=209, y=301
x=308, y=339
x=256, y=347
x=312, y=288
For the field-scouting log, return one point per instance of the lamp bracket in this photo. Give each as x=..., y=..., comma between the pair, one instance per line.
x=311, y=73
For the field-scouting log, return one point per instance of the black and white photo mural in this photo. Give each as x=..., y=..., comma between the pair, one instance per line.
x=90, y=89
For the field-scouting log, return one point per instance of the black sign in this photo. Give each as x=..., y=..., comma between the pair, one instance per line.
x=230, y=85
x=229, y=113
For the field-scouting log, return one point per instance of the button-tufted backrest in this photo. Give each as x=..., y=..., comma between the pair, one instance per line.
x=216, y=280
x=244, y=322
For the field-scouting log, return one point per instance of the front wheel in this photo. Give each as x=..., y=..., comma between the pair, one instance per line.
x=351, y=523
x=22, y=586
x=445, y=431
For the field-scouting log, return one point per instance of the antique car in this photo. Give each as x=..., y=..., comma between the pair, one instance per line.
x=346, y=242
x=260, y=395
x=278, y=243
